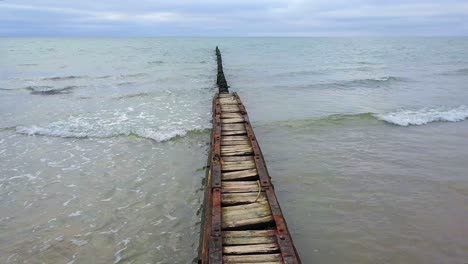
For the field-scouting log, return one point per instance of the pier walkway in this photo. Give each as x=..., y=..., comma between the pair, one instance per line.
x=242, y=221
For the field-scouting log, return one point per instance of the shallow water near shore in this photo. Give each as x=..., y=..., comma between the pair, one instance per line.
x=103, y=144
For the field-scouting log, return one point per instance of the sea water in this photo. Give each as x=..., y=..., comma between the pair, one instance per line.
x=103, y=144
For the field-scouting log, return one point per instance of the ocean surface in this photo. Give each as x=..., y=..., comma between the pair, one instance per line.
x=103, y=144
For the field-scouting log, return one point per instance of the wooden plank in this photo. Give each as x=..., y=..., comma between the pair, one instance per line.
x=239, y=186
x=235, y=138
x=236, y=152
x=249, y=249
x=248, y=240
x=232, y=120
x=235, y=143
x=228, y=101
x=232, y=115
x=248, y=233
x=260, y=258
x=243, y=210
x=226, y=127
x=230, y=107
x=235, y=148
x=248, y=197
x=237, y=165
x=235, y=175
x=256, y=258
x=223, y=111
x=246, y=214
x=226, y=95
x=236, y=158
x=233, y=132
x=250, y=220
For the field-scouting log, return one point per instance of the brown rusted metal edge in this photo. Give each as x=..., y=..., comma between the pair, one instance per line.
x=216, y=243
x=285, y=242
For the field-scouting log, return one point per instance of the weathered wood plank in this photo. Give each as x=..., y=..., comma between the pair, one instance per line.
x=235, y=143
x=240, y=211
x=223, y=111
x=248, y=249
x=236, y=198
x=235, y=148
x=260, y=258
x=226, y=127
x=229, y=107
x=237, y=165
x=225, y=95
x=234, y=175
x=228, y=101
x=233, y=133
x=232, y=115
x=248, y=240
x=235, y=138
x=248, y=233
x=232, y=120
x=239, y=186
x=238, y=151
x=228, y=223
x=247, y=214
x=235, y=158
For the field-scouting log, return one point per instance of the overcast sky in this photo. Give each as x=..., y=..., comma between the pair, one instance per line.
x=233, y=18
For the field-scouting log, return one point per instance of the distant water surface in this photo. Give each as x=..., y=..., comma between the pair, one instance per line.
x=103, y=144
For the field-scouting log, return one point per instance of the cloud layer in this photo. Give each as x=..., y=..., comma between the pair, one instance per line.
x=233, y=18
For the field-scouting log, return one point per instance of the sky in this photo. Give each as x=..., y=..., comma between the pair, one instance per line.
x=112, y=18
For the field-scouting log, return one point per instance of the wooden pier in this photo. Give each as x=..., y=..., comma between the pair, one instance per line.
x=242, y=220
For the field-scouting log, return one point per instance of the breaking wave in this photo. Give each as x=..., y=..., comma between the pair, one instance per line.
x=133, y=75
x=128, y=96
x=385, y=81
x=425, y=115
x=49, y=90
x=64, y=78
x=373, y=81
x=117, y=124
x=148, y=133
x=405, y=117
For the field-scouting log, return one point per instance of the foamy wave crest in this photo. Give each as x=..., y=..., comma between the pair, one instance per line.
x=425, y=115
x=117, y=124
x=158, y=136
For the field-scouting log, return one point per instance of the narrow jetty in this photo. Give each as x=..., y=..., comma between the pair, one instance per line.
x=242, y=219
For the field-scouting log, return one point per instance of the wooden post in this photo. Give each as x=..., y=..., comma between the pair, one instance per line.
x=221, y=79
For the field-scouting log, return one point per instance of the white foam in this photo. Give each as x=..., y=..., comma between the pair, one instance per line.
x=120, y=123
x=77, y=213
x=425, y=115
x=78, y=242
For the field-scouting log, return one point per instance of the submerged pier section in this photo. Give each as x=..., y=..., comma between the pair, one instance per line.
x=242, y=222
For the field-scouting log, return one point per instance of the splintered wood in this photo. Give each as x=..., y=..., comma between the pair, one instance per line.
x=247, y=227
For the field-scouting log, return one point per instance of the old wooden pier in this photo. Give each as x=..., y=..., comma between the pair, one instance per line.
x=242, y=221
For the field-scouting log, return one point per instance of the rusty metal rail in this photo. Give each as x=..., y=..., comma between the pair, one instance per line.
x=242, y=220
